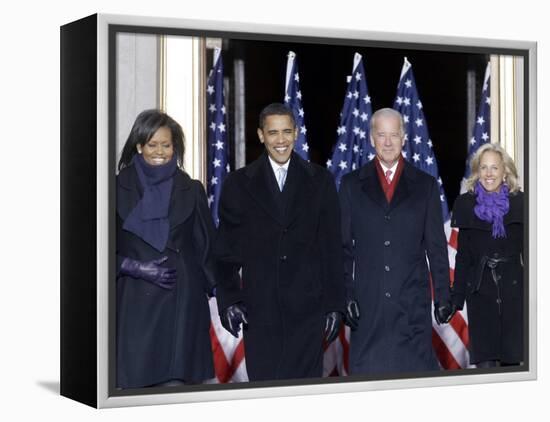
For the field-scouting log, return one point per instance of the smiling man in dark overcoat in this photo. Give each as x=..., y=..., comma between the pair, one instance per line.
x=280, y=225
x=392, y=222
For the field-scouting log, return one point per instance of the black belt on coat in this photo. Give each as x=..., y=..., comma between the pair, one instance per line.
x=492, y=263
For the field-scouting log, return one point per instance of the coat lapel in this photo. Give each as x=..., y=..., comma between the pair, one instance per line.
x=128, y=192
x=402, y=190
x=260, y=187
x=298, y=188
x=371, y=185
x=182, y=201
x=515, y=214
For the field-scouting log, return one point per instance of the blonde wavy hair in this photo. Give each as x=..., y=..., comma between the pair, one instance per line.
x=510, y=172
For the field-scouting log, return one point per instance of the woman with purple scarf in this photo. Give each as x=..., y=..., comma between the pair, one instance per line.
x=164, y=267
x=489, y=260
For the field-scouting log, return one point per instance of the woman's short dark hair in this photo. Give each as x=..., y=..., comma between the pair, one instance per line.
x=275, y=109
x=145, y=126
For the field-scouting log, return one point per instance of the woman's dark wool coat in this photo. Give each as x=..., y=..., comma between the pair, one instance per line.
x=164, y=334
x=495, y=323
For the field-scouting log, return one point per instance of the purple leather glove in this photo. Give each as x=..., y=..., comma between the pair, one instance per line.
x=150, y=271
x=332, y=326
x=232, y=317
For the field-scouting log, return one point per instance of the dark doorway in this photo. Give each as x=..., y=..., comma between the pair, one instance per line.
x=441, y=79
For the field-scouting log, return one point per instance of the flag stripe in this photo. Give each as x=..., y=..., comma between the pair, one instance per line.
x=445, y=357
x=344, y=336
x=221, y=365
x=238, y=358
x=460, y=327
x=453, y=240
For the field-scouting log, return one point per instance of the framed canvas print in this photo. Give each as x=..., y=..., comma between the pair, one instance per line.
x=253, y=211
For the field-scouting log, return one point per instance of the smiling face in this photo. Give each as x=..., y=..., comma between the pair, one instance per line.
x=387, y=139
x=159, y=149
x=491, y=171
x=278, y=135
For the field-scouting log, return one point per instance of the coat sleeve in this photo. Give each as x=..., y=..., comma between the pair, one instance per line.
x=464, y=262
x=330, y=227
x=436, y=245
x=227, y=249
x=203, y=235
x=463, y=268
x=347, y=238
x=120, y=253
x=119, y=257
x=119, y=223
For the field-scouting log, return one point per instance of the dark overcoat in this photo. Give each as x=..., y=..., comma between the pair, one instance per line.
x=288, y=247
x=494, y=308
x=164, y=334
x=385, y=249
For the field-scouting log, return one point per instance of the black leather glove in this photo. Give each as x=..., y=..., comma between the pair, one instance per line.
x=332, y=326
x=150, y=271
x=232, y=317
x=443, y=312
x=352, y=314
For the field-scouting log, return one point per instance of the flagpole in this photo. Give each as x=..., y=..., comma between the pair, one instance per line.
x=289, y=65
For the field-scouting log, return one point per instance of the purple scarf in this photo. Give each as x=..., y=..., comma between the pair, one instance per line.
x=149, y=219
x=492, y=207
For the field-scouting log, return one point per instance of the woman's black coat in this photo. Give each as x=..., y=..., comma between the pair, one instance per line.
x=164, y=334
x=495, y=309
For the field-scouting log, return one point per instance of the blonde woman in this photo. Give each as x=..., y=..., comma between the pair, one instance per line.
x=489, y=261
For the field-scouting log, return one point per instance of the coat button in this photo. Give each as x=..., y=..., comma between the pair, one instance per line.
x=283, y=258
x=388, y=294
x=386, y=268
x=514, y=282
x=387, y=243
x=499, y=301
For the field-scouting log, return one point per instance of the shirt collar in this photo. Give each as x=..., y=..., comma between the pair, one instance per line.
x=392, y=168
x=275, y=166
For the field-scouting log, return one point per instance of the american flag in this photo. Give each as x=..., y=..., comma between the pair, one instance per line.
x=293, y=99
x=481, y=135
x=449, y=340
x=482, y=126
x=218, y=151
x=228, y=352
x=353, y=148
x=351, y=151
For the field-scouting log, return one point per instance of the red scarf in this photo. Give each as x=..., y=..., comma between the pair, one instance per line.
x=389, y=188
